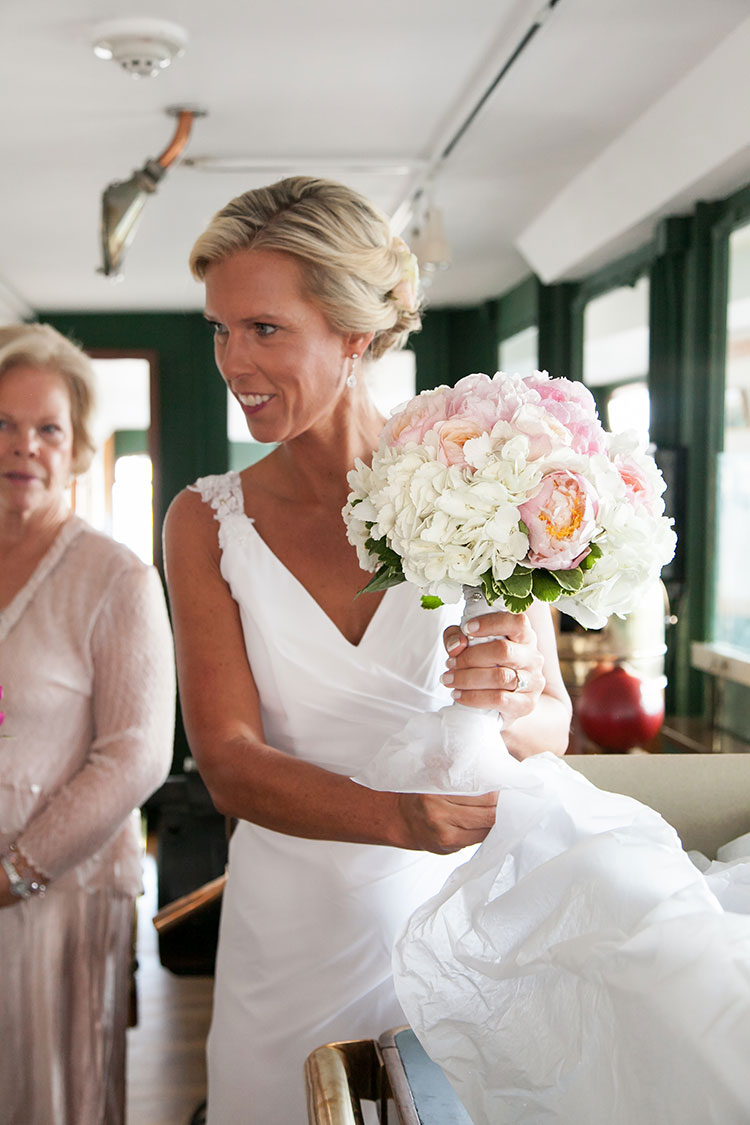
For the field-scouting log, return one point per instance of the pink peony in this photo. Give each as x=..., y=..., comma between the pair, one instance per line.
x=419, y=416
x=473, y=401
x=475, y=397
x=453, y=434
x=561, y=519
x=573, y=405
x=639, y=487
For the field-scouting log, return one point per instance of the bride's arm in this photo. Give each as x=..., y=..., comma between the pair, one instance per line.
x=245, y=776
x=535, y=709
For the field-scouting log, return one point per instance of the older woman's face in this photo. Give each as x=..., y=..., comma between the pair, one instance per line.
x=36, y=439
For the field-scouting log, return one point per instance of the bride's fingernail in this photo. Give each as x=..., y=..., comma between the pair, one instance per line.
x=450, y=662
x=471, y=627
x=454, y=642
x=456, y=694
x=446, y=678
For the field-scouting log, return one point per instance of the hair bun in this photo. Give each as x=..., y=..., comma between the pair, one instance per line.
x=406, y=294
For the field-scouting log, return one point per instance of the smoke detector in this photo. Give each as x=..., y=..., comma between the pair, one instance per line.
x=143, y=47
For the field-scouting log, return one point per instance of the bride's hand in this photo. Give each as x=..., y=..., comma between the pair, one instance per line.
x=504, y=674
x=440, y=823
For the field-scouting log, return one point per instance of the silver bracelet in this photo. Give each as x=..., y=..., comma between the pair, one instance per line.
x=20, y=887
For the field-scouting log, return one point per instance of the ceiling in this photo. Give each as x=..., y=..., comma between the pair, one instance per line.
x=611, y=115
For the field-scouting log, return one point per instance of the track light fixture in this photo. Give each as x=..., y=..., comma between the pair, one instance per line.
x=124, y=200
x=428, y=241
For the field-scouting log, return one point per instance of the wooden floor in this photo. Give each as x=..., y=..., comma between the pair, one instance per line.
x=166, y=1066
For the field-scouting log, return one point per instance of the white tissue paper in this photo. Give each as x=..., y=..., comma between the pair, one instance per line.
x=728, y=875
x=580, y=969
x=730, y=882
x=735, y=849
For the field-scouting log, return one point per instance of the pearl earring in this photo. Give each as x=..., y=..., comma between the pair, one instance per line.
x=351, y=379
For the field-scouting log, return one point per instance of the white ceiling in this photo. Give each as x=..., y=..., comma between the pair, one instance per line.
x=614, y=114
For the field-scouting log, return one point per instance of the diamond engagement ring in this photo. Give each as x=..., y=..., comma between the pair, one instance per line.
x=522, y=681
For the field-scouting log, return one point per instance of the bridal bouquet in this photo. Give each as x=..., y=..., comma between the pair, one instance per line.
x=503, y=490
x=511, y=484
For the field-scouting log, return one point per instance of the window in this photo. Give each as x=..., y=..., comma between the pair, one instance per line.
x=115, y=494
x=519, y=354
x=392, y=380
x=628, y=408
x=731, y=619
x=615, y=355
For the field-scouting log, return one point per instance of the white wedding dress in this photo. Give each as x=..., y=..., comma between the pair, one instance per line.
x=308, y=926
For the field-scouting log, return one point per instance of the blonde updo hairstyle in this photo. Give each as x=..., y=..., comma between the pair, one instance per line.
x=351, y=262
x=42, y=346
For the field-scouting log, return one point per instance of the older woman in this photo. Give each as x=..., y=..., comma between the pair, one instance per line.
x=87, y=672
x=289, y=681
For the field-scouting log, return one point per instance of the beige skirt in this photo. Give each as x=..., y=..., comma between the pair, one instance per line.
x=64, y=984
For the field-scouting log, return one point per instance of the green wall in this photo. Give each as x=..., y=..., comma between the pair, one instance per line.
x=454, y=343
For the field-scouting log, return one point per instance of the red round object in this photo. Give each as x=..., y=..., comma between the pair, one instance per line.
x=618, y=710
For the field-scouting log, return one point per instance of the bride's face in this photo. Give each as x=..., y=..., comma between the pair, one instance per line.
x=279, y=356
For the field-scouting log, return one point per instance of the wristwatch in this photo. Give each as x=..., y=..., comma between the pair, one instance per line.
x=20, y=887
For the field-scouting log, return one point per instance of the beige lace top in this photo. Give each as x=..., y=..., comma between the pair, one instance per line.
x=87, y=668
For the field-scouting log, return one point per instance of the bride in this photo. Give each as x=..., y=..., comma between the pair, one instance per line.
x=289, y=682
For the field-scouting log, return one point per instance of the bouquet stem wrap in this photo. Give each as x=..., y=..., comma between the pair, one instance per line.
x=454, y=750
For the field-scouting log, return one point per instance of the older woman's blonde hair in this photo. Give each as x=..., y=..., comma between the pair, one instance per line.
x=350, y=260
x=41, y=345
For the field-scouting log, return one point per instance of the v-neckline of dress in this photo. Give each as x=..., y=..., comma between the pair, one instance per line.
x=12, y=613
x=371, y=624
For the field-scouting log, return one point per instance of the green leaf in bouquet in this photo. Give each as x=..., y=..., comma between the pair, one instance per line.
x=595, y=553
x=382, y=579
x=570, y=580
x=517, y=605
x=493, y=591
x=545, y=586
x=490, y=587
x=431, y=601
x=519, y=583
x=386, y=554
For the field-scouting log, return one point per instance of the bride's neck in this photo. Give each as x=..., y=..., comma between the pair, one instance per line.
x=316, y=464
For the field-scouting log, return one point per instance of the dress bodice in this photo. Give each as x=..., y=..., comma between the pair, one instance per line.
x=324, y=699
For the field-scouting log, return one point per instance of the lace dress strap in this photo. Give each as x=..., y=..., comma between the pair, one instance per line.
x=223, y=491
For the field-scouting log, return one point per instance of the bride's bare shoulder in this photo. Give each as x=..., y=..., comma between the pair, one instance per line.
x=189, y=518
